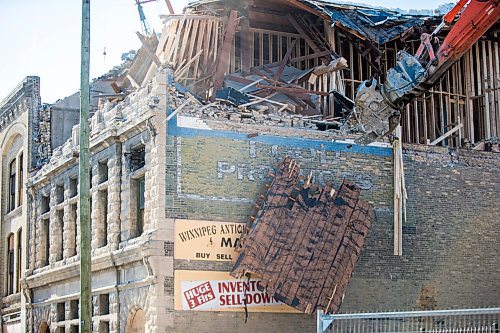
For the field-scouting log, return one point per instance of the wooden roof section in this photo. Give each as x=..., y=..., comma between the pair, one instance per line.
x=305, y=240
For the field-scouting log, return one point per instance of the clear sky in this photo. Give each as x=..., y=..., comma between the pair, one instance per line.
x=43, y=38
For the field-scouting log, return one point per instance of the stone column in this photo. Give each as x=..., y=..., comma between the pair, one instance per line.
x=160, y=297
x=94, y=204
x=114, y=200
x=69, y=232
x=55, y=229
x=39, y=242
x=114, y=311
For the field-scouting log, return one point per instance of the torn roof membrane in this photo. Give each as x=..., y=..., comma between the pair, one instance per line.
x=378, y=25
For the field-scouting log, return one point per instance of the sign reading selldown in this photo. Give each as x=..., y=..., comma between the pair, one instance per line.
x=218, y=291
x=304, y=240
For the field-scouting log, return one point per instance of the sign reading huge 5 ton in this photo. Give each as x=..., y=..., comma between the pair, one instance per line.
x=217, y=291
x=206, y=240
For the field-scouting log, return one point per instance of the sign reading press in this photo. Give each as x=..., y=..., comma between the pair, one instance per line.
x=207, y=240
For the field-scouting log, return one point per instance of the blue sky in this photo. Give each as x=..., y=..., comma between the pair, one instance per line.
x=43, y=38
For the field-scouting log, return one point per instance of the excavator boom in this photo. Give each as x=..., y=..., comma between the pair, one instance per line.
x=378, y=105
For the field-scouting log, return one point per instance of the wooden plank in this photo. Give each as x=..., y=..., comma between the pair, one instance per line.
x=441, y=108
x=416, y=125
x=351, y=65
x=491, y=91
x=170, y=116
x=181, y=71
x=151, y=51
x=449, y=119
x=334, y=65
x=172, y=51
x=206, y=41
x=164, y=38
x=433, y=115
x=193, y=40
x=201, y=39
x=470, y=93
x=487, y=118
x=132, y=82
x=186, y=33
x=304, y=35
x=425, y=124
x=284, y=61
x=496, y=81
x=447, y=134
x=292, y=90
x=407, y=123
x=246, y=56
x=223, y=62
x=170, y=8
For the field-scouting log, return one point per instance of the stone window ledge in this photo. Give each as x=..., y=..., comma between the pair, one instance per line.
x=130, y=242
x=14, y=213
x=10, y=300
x=136, y=174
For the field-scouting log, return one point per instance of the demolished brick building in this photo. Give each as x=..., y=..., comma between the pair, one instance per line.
x=183, y=144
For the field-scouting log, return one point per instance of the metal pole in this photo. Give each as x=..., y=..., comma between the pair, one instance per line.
x=85, y=225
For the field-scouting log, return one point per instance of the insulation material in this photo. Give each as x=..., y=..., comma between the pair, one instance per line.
x=305, y=240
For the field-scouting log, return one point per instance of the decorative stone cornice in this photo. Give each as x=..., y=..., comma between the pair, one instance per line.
x=26, y=96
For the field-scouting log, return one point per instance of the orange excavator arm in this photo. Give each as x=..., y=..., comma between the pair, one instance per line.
x=474, y=21
x=378, y=106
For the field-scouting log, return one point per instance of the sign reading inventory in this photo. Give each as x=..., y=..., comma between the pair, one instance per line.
x=218, y=291
x=206, y=240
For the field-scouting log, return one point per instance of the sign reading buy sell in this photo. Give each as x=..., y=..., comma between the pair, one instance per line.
x=206, y=240
x=218, y=291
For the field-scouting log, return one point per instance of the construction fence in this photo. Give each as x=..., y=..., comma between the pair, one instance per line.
x=437, y=321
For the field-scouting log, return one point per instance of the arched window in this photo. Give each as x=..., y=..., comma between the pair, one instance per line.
x=10, y=264
x=12, y=186
x=136, y=322
x=44, y=328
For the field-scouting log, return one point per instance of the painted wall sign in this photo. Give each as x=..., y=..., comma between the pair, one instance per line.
x=206, y=240
x=218, y=291
x=236, y=173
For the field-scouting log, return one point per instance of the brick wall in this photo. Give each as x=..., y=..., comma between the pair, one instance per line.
x=450, y=242
x=217, y=175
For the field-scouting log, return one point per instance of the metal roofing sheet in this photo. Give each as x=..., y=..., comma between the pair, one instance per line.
x=378, y=25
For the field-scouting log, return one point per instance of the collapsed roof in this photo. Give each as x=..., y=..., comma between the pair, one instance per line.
x=378, y=25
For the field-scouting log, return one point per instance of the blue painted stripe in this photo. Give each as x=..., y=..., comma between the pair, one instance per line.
x=177, y=131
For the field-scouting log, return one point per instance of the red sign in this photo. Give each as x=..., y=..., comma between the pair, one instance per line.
x=199, y=295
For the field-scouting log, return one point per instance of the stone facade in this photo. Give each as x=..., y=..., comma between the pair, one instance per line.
x=124, y=144
x=17, y=139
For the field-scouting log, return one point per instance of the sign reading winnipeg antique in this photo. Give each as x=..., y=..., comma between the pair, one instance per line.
x=218, y=291
x=206, y=240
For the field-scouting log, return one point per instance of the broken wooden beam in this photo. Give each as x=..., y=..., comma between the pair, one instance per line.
x=334, y=65
x=306, y=37
x=150, y=51
x=447, y=134
x=292, y=90
x=224, y=56
x=170, y=8
x=284, y=61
